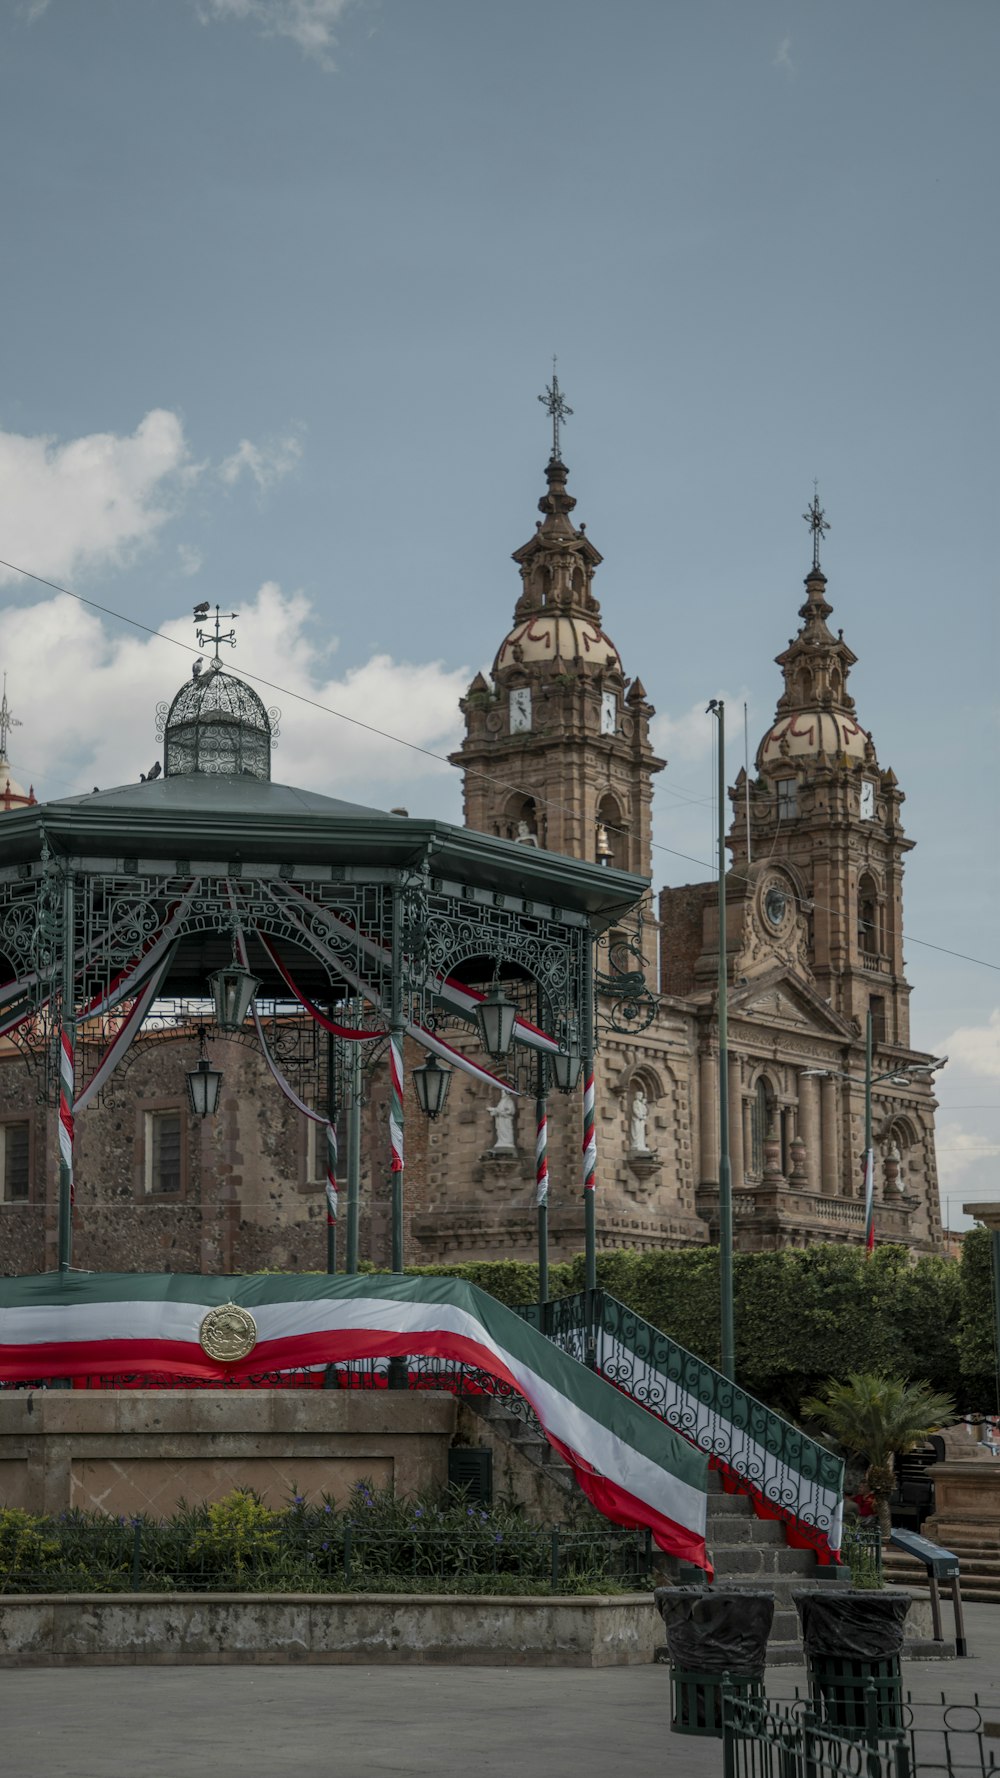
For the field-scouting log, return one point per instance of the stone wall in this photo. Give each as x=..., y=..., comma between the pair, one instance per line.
x=144, y=1450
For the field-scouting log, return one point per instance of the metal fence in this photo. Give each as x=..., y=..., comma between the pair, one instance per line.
x=766, y=1738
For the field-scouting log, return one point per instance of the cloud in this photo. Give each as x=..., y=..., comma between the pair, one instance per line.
x=783, y=58
x=309, y=24
x=68, y=743
x=691, y=736
x=976, y=1048
x=266, y=463
x=66, y=507
x=190, y=560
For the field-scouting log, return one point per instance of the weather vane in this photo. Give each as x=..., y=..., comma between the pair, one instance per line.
x=205, y=636
x=7, y=720
x=815, y=518
x=554, y=402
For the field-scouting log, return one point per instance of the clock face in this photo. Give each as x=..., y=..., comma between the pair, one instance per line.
x=609, y=713
x=775, y=905
x=867, y=808
x=520, y=710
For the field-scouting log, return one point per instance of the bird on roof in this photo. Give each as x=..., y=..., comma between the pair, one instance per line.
x=202, y=610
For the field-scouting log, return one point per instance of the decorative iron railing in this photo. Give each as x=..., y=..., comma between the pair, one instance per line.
x=787, y=1474
x=766, y=1738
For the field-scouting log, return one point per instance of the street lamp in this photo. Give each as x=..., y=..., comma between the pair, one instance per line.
x=495, y=1018
x=204, y=1083
x=898, y=1076
x=566, y=1065
x=232, y=989
x=431, y=1083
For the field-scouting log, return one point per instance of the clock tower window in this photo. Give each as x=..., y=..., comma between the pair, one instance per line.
x=869, y=944
x=788, y=798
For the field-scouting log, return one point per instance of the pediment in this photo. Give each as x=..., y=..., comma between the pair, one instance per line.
x=779, y=997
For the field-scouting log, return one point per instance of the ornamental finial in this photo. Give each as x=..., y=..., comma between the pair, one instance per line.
x=815, y=518
x=554, y=402
x=7, y=720
x=201, y=616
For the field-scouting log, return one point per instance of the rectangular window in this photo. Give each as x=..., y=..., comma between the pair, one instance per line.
x=877, y=1004
x=788, y=798
x=163, y=1152
x=15, y=1156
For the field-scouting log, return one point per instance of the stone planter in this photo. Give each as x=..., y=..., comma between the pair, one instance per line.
x=712, y=1634
x=853, y=1641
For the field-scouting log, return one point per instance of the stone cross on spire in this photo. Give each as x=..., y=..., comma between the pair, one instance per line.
x=815, y=518
x=7, y=720
x=554, y=402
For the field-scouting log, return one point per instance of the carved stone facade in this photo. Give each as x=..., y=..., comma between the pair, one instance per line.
x=557, y=755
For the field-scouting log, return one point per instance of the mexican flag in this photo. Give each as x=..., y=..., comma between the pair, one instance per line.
x=636, y=1470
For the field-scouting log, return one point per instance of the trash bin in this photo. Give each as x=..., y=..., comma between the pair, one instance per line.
x=853, y=1641
x=712, y=1633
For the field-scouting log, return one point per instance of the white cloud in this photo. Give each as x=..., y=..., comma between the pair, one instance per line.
x=65, y=507
x=67, y=742
x=190, y=560
x=783, y=58
x=976, y=1048
x=309, y=24
x=691, y=736
x=266, y=463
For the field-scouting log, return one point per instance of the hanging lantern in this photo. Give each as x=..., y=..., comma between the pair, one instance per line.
x=431, y=1083
x=204, y=1084
x=495, y=1017
x=566, y=1066
x=232, y=989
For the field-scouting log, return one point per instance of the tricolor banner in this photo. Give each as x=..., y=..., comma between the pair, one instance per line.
x=637, y=1471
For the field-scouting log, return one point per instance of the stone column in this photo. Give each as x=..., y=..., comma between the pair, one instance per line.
x=709, y=1158
x=736, y=1122
x=747, y=1134
x=809, y=1129
x=833, y=1183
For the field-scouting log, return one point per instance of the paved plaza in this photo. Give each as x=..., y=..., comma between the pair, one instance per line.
x=370, y=1722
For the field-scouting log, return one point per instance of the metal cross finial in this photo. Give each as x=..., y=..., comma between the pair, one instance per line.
x=7, y=720
x=554, y=402
x=816, y=520
x=206, y=636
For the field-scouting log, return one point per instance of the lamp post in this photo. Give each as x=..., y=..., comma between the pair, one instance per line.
x=727, y=1362
x=898, y=1076
x=354, y=1147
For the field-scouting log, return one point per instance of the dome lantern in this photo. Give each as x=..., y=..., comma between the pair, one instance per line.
x=216, y=723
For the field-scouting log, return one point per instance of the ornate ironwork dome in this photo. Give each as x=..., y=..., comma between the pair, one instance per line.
x=216, y=723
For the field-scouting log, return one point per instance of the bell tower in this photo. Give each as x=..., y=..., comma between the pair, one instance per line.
x=556, y=750
x=822, y=805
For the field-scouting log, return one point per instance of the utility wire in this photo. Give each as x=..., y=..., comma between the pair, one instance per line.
x=426, y=752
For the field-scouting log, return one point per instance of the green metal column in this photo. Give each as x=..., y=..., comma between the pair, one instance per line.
x=331, y=1112
x=589, y=1155
x=353, y=1147
x=727, y=1363
x=542, y=1184
x=869, y=1159
x=67, y=1056
x=398, y=1375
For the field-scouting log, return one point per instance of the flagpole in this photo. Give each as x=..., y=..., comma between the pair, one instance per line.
x=869, y=1156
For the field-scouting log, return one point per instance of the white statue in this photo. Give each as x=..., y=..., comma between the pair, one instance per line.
x=502, y=1114
x=524, y=835
x=639, y=1120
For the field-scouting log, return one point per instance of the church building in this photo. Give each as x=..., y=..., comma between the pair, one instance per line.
x=557, y=755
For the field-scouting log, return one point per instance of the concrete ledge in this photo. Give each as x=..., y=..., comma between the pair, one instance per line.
x=177, y=1629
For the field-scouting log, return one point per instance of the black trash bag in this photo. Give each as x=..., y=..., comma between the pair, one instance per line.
x=863, y=1626
x=715, y=1631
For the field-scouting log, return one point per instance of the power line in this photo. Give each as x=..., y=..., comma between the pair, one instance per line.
x=426, y=752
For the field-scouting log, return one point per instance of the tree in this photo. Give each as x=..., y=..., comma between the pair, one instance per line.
x=877, y=1417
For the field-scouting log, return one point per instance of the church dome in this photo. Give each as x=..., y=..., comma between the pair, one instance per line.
x=557, y=636
x=805, y=734
x=216, y=723
x=12, y=794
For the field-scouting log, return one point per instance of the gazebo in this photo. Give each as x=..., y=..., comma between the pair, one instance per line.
x=210, y=894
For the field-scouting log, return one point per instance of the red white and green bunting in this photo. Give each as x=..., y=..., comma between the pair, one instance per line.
x=637, y=1471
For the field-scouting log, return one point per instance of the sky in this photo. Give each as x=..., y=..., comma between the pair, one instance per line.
x=284, y=278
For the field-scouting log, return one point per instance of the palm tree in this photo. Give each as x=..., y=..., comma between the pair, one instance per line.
x=877, y=1417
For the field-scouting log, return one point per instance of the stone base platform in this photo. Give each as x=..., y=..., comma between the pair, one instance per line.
x=145, y=1450
x=98, y=1630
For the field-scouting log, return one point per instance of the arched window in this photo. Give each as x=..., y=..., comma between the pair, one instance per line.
x=522, y=820
x=761, y=1118
x=869, y=937
x=611, y=838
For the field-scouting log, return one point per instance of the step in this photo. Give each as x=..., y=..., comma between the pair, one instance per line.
x=764, y=1559
x=727, y=1528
